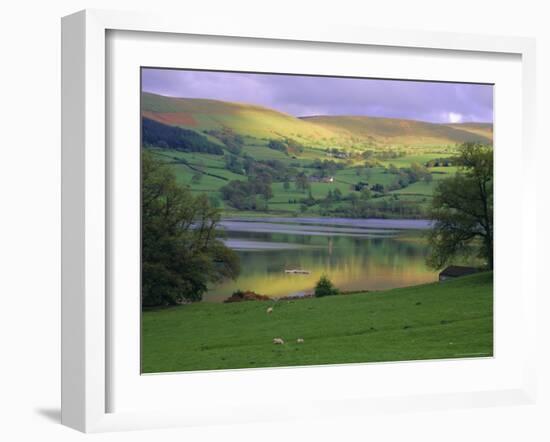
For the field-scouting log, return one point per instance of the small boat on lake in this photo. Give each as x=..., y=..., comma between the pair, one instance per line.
x=297, y=272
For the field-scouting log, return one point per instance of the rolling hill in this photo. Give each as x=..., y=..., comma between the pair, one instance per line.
x=319, y=131
x=483, y=129
x=399, y=131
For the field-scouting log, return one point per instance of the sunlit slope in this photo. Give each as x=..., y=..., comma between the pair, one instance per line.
x=329, y=131
x=245, y=119
x=482, y=129
x=399, y=131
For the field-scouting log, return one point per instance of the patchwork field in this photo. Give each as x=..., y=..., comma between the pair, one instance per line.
x=399, y=162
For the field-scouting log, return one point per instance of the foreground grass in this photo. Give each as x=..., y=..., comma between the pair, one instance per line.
x=439, y=320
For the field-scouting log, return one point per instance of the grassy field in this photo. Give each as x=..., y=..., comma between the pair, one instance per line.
x=433, y=321
x=287, y=202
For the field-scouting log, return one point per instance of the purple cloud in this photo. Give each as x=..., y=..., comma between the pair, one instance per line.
x=308, y=95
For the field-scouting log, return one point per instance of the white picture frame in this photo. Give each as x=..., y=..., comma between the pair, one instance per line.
x=87, y=203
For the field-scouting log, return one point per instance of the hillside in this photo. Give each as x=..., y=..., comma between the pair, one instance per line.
x=317, y=131
x=383, y=131
x=212, y=144
x=483, y=129
x=245, y=119
x=432, y=321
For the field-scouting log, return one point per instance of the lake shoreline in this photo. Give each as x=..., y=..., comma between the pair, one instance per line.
x=355, y=254
x=380, y=223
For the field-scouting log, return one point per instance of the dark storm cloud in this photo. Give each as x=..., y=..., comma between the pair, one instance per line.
x=305, y=95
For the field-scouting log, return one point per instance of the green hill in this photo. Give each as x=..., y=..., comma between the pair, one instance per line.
x=317, y=131
x=245, y=119
x=210, y=143
x=385, y=131
x=433, y=321
x=483, y=129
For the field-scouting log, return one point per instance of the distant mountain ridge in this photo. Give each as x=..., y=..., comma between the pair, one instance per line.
x=342, y=131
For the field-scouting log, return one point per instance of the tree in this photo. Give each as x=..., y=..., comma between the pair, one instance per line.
x=248, y=195
x=233, y=164
x=392, y=168
x=462, y=209
x=301, y=182
x=181, y=252
x=277, y=145
x=365, y=194
x=325, y=287
x=261, y=183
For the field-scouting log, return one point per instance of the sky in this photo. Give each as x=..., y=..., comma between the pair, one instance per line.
x=302, y=95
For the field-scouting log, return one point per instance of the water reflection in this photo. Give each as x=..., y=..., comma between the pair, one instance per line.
x=354, y=259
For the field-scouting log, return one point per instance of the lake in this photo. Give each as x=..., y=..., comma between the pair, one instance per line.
x=354, y=254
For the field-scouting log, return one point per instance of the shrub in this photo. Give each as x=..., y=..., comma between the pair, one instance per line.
x=325, y=287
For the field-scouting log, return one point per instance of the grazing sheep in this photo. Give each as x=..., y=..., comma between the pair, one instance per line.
x=270, y=310
x=300, y=340
x=278, y=341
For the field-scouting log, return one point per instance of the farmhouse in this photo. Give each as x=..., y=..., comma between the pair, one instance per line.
x=453, y=272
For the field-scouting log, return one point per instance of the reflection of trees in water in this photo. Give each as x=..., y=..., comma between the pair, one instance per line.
x=332, y=253
x=352, y=263
x=336, y=252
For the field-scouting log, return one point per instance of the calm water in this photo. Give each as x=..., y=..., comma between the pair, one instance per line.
x=355, y=254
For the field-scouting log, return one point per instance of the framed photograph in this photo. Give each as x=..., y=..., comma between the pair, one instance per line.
x=280, y=221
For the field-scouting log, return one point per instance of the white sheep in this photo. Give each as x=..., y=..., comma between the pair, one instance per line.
x=270, y=310
x=300, y=340
x=278, y=341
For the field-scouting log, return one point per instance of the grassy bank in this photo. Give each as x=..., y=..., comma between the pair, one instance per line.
x=439, y=320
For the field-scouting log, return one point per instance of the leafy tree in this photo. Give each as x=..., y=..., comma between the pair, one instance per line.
x=392, y=168
x=181, y=252
x=232, y=141
x=301, y=182
x=325, y=287
x=233, y=164
x=248, y=195
x=214, y=201
x=365, y=194
x=462, y=209
x=277, y=145
x=417, y=171
x=325, y=168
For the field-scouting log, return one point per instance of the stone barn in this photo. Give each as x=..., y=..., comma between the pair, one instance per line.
x=453, y=272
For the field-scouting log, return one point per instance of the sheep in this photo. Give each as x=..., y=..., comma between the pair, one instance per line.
x=300, y=340
x=278, y=341
x=270, y=310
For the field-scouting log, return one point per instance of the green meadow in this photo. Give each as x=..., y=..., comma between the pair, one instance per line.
x=452, y=319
